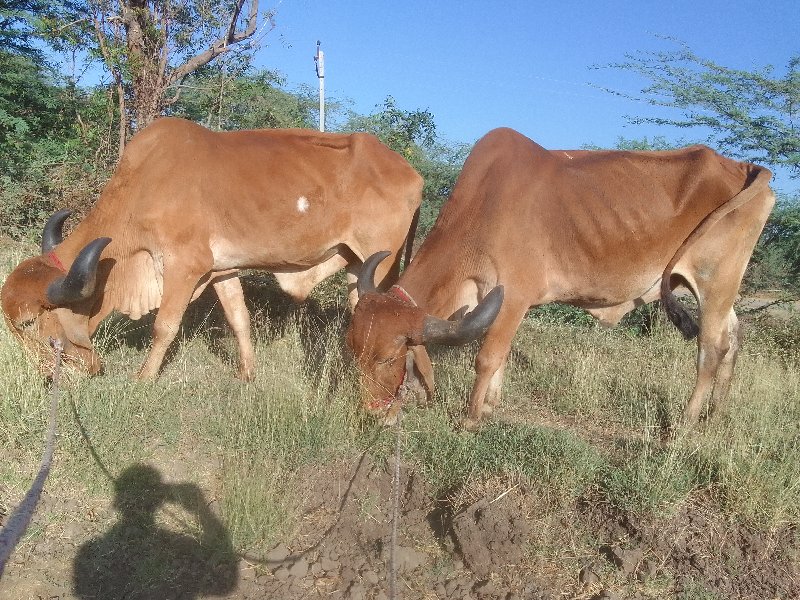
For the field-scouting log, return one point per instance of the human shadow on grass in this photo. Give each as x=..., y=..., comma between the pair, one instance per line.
x=139, y=559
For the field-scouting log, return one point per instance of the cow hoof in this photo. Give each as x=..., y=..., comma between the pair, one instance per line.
x=470, y=424
x=389, y=420
x=246, y=375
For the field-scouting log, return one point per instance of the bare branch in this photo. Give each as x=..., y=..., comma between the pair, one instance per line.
x=220, y=46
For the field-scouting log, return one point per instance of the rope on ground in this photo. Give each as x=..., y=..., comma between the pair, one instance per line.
x=19, y=520
x=395, y=511
x=780, y=302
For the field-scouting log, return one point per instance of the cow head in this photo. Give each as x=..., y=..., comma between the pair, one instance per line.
x=387, y=336
x=42, y=301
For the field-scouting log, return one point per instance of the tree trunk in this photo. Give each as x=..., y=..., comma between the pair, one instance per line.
x=147, y=38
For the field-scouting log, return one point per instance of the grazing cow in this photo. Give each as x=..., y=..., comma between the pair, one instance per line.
x=188, y=207
x=605, y=231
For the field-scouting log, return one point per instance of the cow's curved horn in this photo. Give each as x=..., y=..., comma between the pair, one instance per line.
x=53, y=230
x=79, y=283
x=472, y=326
x=366, y=278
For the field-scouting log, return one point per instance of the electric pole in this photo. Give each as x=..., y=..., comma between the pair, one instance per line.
x=319, y=63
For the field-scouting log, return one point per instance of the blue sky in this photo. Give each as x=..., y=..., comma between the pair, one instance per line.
x=526, y=65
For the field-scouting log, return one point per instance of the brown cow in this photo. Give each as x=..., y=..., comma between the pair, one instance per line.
x=188, y=207
x=605, y=231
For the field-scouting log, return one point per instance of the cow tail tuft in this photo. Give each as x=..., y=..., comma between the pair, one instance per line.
x=676, y=312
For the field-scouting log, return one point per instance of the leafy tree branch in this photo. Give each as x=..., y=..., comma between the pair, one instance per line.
x=753, y=115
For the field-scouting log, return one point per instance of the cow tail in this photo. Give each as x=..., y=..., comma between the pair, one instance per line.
x=412, y=232
x=676, y=312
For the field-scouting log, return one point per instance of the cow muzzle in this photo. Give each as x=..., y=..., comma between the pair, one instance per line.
x=386, y=408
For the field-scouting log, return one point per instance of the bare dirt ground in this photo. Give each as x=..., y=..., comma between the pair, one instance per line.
x=500, y=546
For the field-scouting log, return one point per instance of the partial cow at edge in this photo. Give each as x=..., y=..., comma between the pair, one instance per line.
x=605, y=231
x=188, y=207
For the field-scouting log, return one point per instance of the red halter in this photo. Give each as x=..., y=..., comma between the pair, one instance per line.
x=56, y=262
x=402, y=295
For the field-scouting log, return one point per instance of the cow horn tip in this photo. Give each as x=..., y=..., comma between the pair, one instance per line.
x=366, y=278
x=52, y=235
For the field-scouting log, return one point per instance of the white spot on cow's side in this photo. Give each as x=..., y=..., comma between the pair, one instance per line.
x=302, y=204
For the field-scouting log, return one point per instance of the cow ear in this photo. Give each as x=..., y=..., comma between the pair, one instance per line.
x=76, y=327
x=459, y=314
x=420, y=365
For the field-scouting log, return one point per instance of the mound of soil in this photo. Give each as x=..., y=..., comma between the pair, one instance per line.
x=701, y=552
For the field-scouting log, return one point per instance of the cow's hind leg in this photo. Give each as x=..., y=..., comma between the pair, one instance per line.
x=300, y=283
x=491, y=361
x=713, y=267
x=717, y=348
x=722, y=383
x=231, y=297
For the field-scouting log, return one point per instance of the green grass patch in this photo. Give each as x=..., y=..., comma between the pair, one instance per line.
x=557, y=461
x=651, y=477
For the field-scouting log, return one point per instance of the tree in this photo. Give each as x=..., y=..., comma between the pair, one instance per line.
x=28, y=106
x=18, y=24
x=440, y=166
x=405, y=132
x=752, y=115
x=235, y=96
x=413, y=134
x=150, y=47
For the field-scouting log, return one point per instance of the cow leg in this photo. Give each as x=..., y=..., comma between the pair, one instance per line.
x=725, y=371
x=352, y=285
x=299, y=285
x=714, y=267
x=231, y=297
x=714, y=349
x=493, y=390
x=179, y=286
x=491, y=361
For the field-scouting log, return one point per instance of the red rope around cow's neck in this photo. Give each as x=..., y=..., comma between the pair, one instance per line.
x=56, y=261
x=400, y=293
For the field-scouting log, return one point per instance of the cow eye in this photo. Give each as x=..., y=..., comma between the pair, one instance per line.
x=25, y=325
